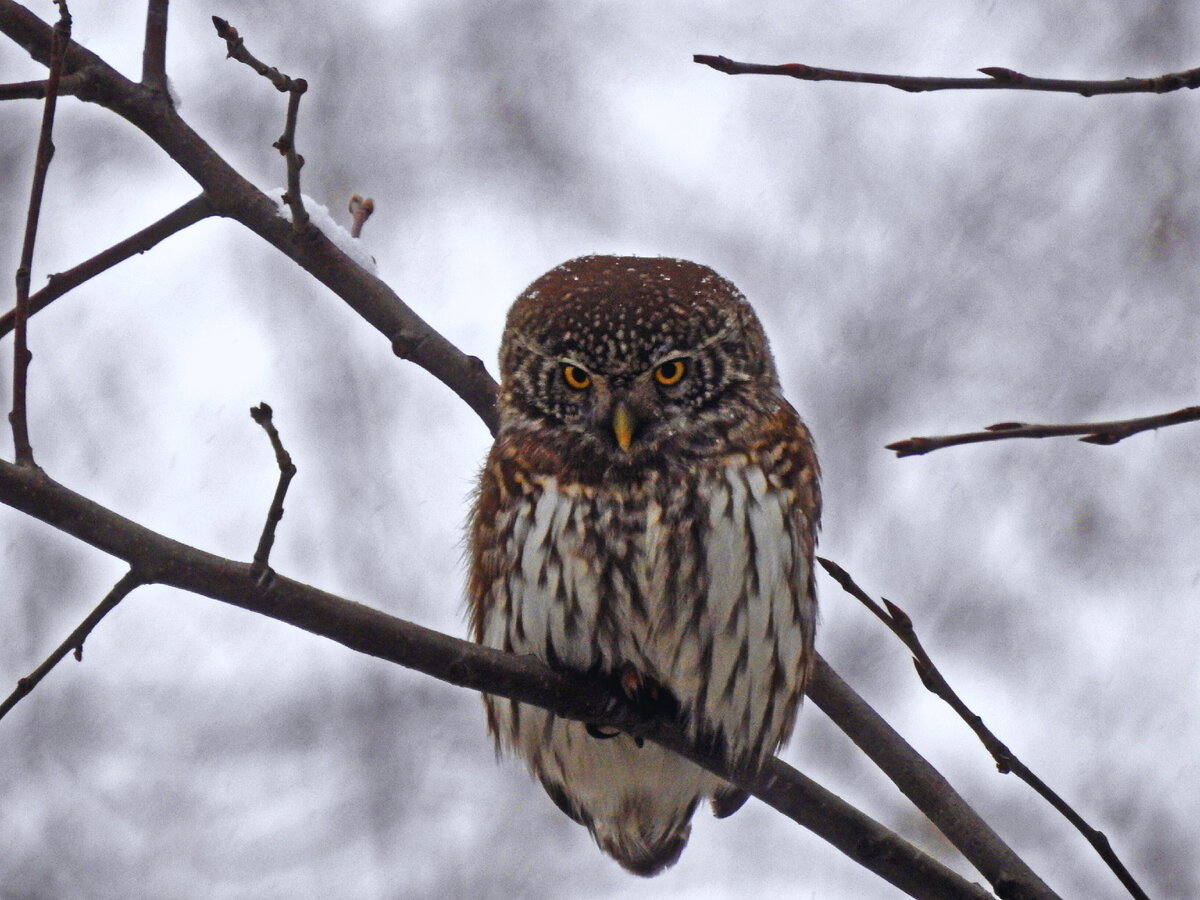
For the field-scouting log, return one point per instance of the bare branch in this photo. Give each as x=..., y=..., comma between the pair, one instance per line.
x=901, y=625
x=999, y=78
x=294, y=88
x=920, y=781
x=1103, y=433
x=36, y=90
x=154, y=53
x=18, y=417
x=286, y=145
x=260, y=569
x=195, y=210
x=75, y=639
x=236, y=49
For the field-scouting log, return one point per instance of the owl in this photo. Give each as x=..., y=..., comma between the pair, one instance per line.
x=647, y=515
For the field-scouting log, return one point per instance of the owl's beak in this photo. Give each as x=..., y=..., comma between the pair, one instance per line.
x=623, y=424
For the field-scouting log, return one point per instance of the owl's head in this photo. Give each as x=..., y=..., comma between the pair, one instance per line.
x=621, y=361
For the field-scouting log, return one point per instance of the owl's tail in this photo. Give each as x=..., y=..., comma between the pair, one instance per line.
x=644, y=847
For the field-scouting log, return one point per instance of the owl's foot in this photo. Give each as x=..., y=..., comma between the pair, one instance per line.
x=637, y=688
x=647, y=697
x=601, y=735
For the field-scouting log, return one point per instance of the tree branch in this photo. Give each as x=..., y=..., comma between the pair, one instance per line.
x=899, y=622
x=999, y=78
x=36, y=90
x=1008, y=874
x=74, y=642
x=294, y=88
x=195, y=210
x=154, y=51
x=260, y=568
x=1103, y=433
x=18, y=417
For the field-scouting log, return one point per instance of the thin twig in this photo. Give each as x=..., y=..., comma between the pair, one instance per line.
x=901, y=625
x=294, y=88
x=1103, y=433
x=286, y=145
x=60, y=283
x=74, y=641
x=361, y=209
x=18, y=417
x=999, y=78
x=36, y=90
x=154, y=52
x=260, y=569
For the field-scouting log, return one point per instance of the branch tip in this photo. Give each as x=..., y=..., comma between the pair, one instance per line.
x=361, y=208
x=225, y=31
x=260, y=571
x=1100, y=433
x=900, y=617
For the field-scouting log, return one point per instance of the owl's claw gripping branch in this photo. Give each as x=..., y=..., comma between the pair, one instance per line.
x=647, y=698
x=601, y=735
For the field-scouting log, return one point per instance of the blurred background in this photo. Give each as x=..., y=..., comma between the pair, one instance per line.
x=923, y=263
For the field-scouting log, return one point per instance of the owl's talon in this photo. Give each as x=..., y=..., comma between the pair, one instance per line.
x=647, y=697
x=639, y=690
x=594, y=731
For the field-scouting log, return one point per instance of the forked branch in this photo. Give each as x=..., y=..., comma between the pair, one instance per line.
x=294, y=88
x=901, y=625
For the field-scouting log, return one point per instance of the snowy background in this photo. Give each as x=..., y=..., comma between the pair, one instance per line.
x=923, y=263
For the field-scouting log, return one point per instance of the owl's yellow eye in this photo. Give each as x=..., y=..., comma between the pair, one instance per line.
x=670, y=372
x=576, y=377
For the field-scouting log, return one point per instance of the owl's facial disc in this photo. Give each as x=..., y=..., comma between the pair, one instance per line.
x=623, y=407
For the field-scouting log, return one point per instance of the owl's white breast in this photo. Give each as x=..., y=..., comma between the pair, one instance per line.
x=704, y=588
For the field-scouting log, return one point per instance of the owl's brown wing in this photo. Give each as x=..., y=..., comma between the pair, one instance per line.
x=791, y=458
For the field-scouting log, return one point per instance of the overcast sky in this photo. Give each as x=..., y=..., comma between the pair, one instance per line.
x=923, y=264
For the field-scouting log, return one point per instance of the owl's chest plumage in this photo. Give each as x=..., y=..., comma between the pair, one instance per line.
x=697, y=580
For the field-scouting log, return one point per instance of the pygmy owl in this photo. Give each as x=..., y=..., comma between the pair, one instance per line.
x=647, y=514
